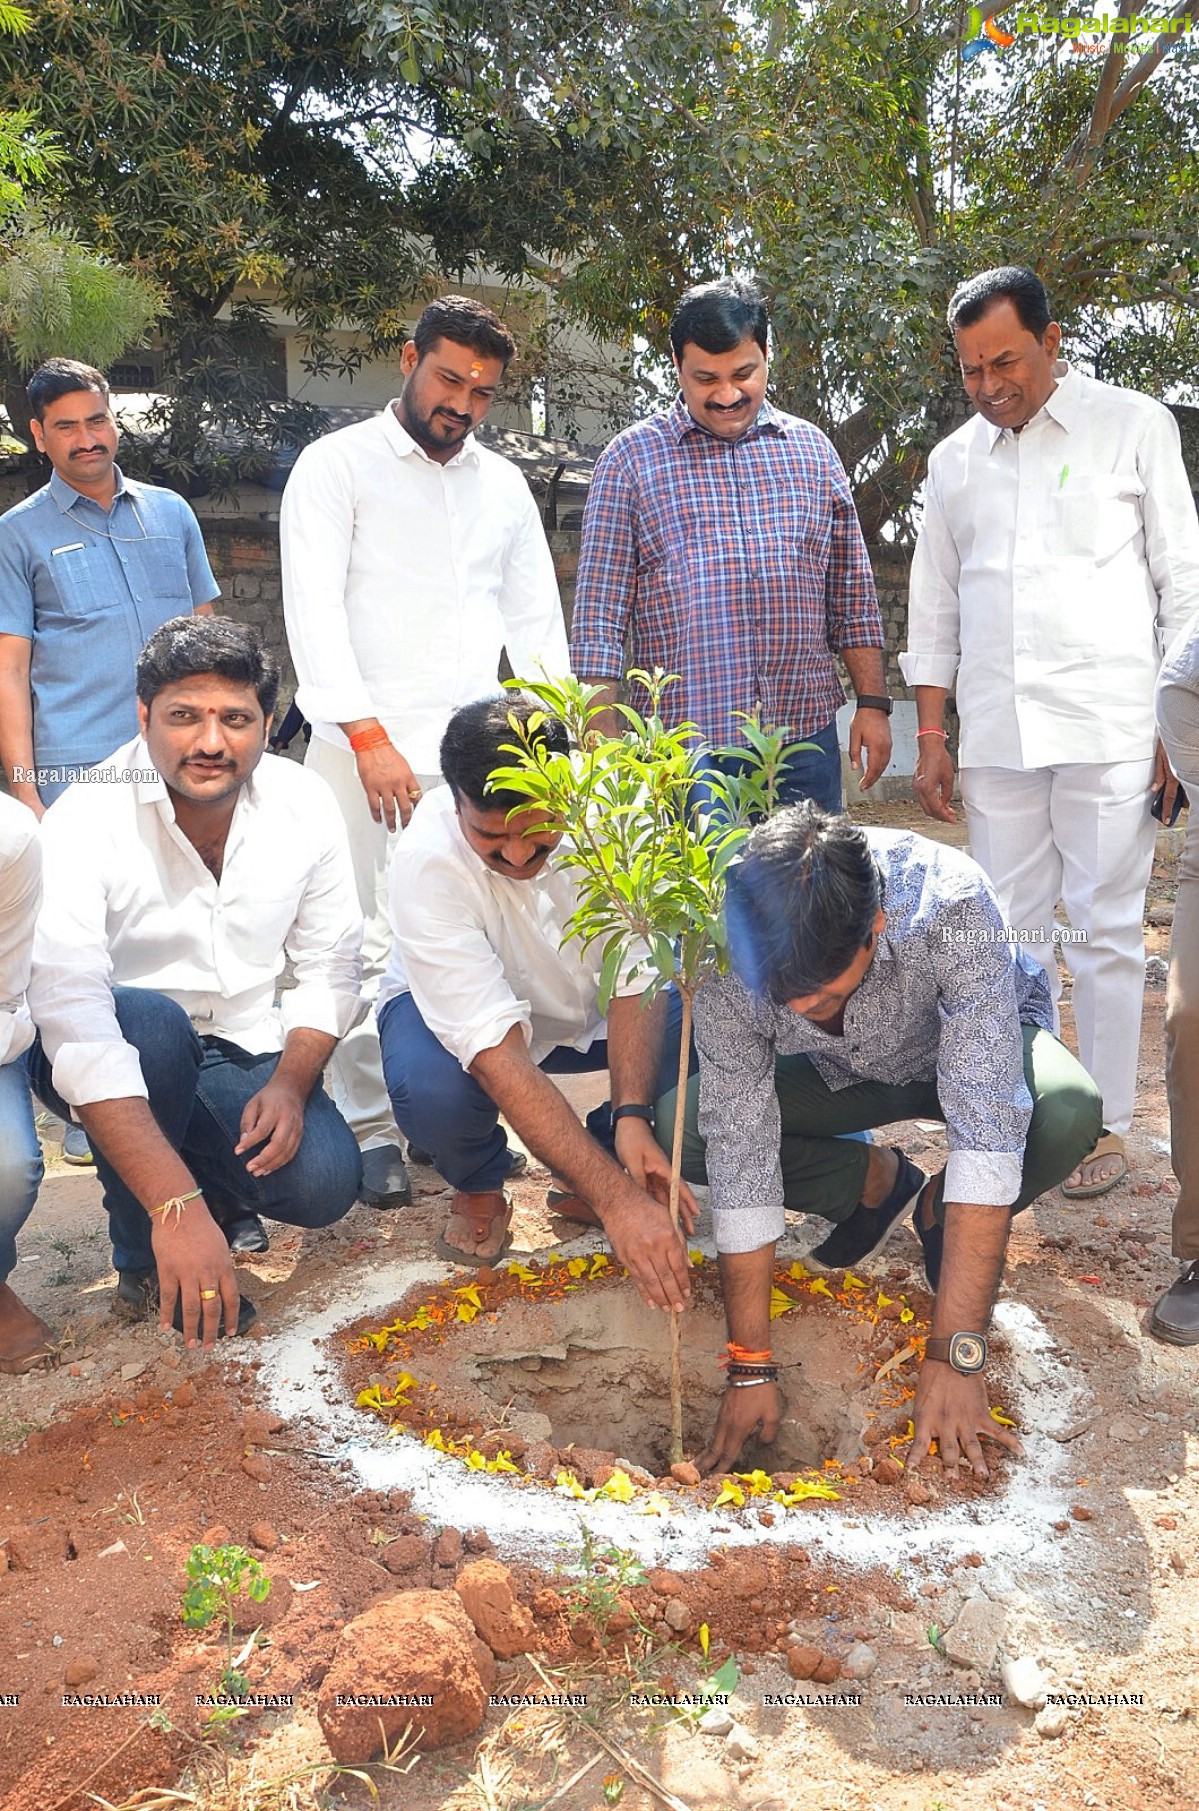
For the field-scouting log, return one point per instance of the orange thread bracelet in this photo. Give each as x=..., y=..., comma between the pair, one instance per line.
x=943, y=733
x=363, y=739
x=741, y=1355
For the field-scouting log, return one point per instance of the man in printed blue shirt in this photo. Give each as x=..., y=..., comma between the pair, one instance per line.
x=874, y=981
x=90, y=565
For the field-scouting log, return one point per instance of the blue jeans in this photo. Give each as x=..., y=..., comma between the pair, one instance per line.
x=443, y=1110
x=813, y=773
x=198, y=1089
x=20, y=1159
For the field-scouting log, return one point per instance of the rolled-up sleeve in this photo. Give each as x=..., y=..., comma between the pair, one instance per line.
x=934, y=622
x=316, y=531
x=454, y=974
x=325, y=941
x=70, y=987
x=606, y=587
x=980, y=1064
x=738, y=1118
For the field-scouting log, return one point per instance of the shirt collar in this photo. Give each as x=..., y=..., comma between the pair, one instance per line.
x=403, y=443
x=1061, y=405
x=66, y=496
x=680, y=422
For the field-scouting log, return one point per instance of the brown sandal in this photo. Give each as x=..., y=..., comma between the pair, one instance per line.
x=33, y=1341
x=561, y=1199
x=483, y=1211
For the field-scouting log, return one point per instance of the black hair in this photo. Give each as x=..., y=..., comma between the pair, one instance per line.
x=718, y=316
x=187, y=646
x=801, y=903
x=1012, y=283
x=467, y=323
x=57, y=377
x=476, y=741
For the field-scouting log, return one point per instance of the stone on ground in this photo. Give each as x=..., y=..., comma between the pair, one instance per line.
x=485, y=1588
x=418, y=1643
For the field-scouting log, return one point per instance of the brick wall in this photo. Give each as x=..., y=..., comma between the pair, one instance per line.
x=244, y=551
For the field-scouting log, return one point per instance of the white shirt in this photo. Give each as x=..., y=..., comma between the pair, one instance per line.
x=404, y=579
x=129, y=903
x=20, y=896
x=1053, y=567
x=480, y=952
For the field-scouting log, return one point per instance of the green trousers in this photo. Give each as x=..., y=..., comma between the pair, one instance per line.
x=824, y=1173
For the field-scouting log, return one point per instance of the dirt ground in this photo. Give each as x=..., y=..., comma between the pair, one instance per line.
x=131, y=1450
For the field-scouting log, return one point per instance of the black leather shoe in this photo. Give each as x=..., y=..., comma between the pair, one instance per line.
x=385, y=1182
x=867, y=1229
x=1175, y=1316
x=932, y=1238
x=244, y=1232
x=137, y=1294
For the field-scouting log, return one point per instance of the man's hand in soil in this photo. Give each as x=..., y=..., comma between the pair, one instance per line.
x=192, y=1259
x=744, y=1414
x=954, y=1411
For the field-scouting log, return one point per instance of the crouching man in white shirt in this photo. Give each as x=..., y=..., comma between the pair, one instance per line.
x=480, y=1000
x=179, y=875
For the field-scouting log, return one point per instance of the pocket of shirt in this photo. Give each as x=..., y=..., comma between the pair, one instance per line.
x=83, y=579
x=1094, y=517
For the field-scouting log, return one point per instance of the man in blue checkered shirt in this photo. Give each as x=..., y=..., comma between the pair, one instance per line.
x=720, y=542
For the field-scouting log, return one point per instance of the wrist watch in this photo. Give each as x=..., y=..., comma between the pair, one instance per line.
x=868, y=701
x=630, y=1110
x=966, y=1352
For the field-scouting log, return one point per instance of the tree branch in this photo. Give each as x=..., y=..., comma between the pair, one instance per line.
x=1112, y=97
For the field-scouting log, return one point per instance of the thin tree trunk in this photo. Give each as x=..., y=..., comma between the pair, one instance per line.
x=676, y=1172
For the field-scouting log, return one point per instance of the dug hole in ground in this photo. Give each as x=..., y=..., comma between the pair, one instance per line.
x=524, y=1540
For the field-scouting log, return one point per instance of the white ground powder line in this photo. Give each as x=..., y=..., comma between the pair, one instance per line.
x=537, y=1525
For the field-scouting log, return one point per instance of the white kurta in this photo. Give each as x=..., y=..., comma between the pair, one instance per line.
x=1053, y=567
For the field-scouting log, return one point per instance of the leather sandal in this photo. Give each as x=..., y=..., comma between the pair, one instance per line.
x=1110, y=1144
x=483, y=1210
x=562, y=1200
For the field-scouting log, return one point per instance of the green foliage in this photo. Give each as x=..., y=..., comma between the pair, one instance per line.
x=650, y=832
x=602, y=1575
x=57, y=297
x=219, y=1576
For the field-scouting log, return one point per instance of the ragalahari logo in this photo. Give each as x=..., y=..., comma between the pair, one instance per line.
x=1115, y=32
x=984, y=35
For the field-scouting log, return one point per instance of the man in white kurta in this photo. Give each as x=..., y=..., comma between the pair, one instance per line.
x=412, y=556
x=1059, y=553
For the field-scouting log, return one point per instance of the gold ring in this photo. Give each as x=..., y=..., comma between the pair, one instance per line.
x=414, y=792
x=208, y=1295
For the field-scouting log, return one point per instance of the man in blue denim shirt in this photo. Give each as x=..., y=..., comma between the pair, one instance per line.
x=90, y=566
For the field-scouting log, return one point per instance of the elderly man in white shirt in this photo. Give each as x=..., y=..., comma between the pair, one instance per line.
x=412, y=556
x=25, y=1339
x=179, y=877
x=1058, y=555
x=481, y=1003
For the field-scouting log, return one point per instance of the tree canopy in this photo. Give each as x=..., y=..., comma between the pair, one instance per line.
x=859, y=157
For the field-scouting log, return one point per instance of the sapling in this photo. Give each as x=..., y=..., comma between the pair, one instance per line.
x=219, y=1575
x=651, y=829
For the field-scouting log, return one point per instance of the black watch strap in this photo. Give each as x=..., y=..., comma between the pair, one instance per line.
x=633, y=1111
x=869, y=701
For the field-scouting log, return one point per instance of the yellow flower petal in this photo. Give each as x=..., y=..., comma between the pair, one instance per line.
x=1002, y=1419
x=619, y=1488
x=780, y=1304
x=730, y=1493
